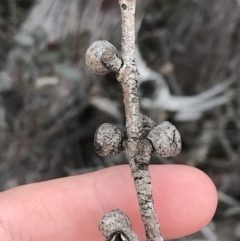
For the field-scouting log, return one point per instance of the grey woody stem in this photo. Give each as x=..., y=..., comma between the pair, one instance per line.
x=128, y=76
x=138, y=151
x=128, y=9
x=141, y=138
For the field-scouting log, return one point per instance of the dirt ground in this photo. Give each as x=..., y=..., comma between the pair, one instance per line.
x=194, y=44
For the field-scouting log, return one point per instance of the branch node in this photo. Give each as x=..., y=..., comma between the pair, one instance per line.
x=148, y=125
x=144, y=153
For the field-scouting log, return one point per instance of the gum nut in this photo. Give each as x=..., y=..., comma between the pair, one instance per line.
x=166, y=140
x=94, y=56
x=108, y=140
x=113, y=221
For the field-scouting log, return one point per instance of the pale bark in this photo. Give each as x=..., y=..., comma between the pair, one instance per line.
x=136, y=150
x=138, y=143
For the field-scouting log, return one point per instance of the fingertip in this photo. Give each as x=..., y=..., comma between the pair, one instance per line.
x=187, y=201
x=71, y=208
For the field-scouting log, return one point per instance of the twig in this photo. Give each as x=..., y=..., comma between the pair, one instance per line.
x=142, y=136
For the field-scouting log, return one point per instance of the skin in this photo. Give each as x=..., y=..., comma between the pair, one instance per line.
x=71, y=208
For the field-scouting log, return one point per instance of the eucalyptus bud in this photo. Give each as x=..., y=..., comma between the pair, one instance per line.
x=108, y=140
x=116, y=226
x=165, y=139
x=102, y=58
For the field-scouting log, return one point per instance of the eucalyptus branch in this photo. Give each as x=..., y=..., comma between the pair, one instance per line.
x=141, y=137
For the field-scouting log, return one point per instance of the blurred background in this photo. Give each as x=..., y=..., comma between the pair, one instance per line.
x=51, y=104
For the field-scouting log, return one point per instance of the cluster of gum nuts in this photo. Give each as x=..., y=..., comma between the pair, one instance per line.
x=109, y=139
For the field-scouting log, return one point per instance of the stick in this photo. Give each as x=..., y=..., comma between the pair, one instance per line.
x=141, y=137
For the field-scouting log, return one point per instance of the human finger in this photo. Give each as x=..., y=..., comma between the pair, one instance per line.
x=71, y=208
